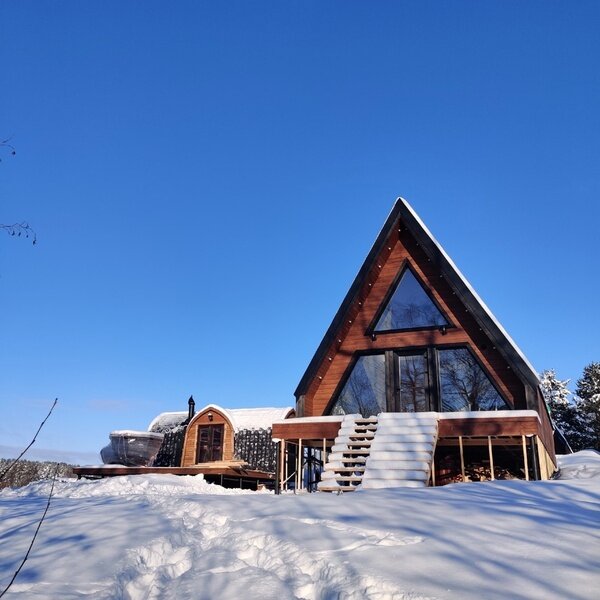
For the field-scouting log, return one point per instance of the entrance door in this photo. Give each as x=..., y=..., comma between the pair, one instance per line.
x=210, y=443
x=412, y=388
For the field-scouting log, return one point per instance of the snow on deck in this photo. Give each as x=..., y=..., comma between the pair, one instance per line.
x=168, y=537
x=490, y=414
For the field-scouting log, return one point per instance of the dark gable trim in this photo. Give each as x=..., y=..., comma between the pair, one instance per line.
x=402, y=212
x=487, y=324
x=351, y=296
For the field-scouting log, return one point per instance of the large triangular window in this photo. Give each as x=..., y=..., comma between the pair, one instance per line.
x=409, y=307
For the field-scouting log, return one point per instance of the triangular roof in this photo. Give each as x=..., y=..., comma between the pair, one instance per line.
x=402, y=215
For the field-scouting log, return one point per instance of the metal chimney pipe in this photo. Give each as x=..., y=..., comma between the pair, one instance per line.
x=191, y=408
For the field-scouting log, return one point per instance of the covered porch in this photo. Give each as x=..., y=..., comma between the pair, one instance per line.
x=469, y=446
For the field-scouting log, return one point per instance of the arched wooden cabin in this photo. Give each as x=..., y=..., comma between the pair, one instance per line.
x=412, y=337
x=232, y=447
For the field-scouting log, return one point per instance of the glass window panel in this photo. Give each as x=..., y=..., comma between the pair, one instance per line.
x=463, y=384
x=413, y=383
x=409, y=307
x=364, y=391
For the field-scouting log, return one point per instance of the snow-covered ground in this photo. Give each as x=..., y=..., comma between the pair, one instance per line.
x=161, y=536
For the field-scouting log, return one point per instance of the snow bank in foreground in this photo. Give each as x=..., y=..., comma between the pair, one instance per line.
x=159, y=536
x=581, y=465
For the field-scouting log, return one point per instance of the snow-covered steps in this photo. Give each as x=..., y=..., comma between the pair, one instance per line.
x=346, y=462
x=401, y=453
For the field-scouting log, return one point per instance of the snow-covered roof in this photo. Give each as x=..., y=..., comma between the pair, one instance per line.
x=470, y=288
x=403, y=212
x=240, y=418
x=257, y=418
x=251, y=418
x=131, y=433
x=167, y=421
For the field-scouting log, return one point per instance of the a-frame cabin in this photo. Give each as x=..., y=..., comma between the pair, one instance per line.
x=415, y=381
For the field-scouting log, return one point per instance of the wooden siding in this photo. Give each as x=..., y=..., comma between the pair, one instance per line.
x=188, y=457
x=351, y=339
x=306, y=431
x=483, y=427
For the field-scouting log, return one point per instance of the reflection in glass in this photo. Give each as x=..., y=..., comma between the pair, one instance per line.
x=410, y=307
x=463, y=384
x=364, y=391
x=413, y=383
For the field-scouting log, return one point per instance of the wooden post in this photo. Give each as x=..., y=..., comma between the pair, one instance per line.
x=536, y=467
x=542, y=460
x=277, y=468
x=433, y=470
x=525, y=460
x=286, y=453
x=491, y=457
x=282, y=464
x=299, y=466
x=462, y=458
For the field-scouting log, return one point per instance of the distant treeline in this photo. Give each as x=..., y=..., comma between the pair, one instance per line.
x=26, y=471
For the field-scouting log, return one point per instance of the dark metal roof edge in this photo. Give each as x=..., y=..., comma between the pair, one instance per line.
x=319, y=355
x=456, y=280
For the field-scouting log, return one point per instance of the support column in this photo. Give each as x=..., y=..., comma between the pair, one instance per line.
x=493, y=476
x=525, y=459
x=299, y=466
x=277, y=468
x=462, y=458
x=536, y=468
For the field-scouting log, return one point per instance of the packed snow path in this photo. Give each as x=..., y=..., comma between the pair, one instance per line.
x=161, y=536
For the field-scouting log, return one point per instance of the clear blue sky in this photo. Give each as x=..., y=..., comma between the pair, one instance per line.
x=206, y=178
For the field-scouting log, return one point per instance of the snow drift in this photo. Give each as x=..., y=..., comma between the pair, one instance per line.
x=162, y=536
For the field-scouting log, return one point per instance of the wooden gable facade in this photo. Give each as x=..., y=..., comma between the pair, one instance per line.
x=405, y=243
x=412, y=336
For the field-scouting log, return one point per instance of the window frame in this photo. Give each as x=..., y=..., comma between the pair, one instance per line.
x=406, y=265
x=391, y=376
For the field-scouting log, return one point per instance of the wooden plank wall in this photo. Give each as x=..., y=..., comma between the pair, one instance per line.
x=351, y=338
x=306, y=431
x=188, y=457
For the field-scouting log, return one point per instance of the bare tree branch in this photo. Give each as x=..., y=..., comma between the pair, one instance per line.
x=5, y=144
x=20, y=229
x=12, y=464
x=36, y=530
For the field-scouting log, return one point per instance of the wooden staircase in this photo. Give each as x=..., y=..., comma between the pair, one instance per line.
x=391, y=450
x=346, y=463
x=402, y=454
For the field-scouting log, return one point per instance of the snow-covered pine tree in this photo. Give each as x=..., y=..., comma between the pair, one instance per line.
x=588, y=404
x=563, y=410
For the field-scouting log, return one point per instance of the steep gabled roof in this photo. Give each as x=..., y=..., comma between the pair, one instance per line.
x=402, y=213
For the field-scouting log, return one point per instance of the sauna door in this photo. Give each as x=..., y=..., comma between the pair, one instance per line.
x=210, y=443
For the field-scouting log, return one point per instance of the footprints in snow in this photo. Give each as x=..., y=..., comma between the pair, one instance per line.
x=152, y=570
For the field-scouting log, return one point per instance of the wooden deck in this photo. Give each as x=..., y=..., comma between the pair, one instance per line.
x=230, y=475
x=451, y=425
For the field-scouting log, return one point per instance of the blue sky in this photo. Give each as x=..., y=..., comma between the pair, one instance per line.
x=206, y=178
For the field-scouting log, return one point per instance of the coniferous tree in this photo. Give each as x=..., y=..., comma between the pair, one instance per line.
x=588, y=405
x=563, y=410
